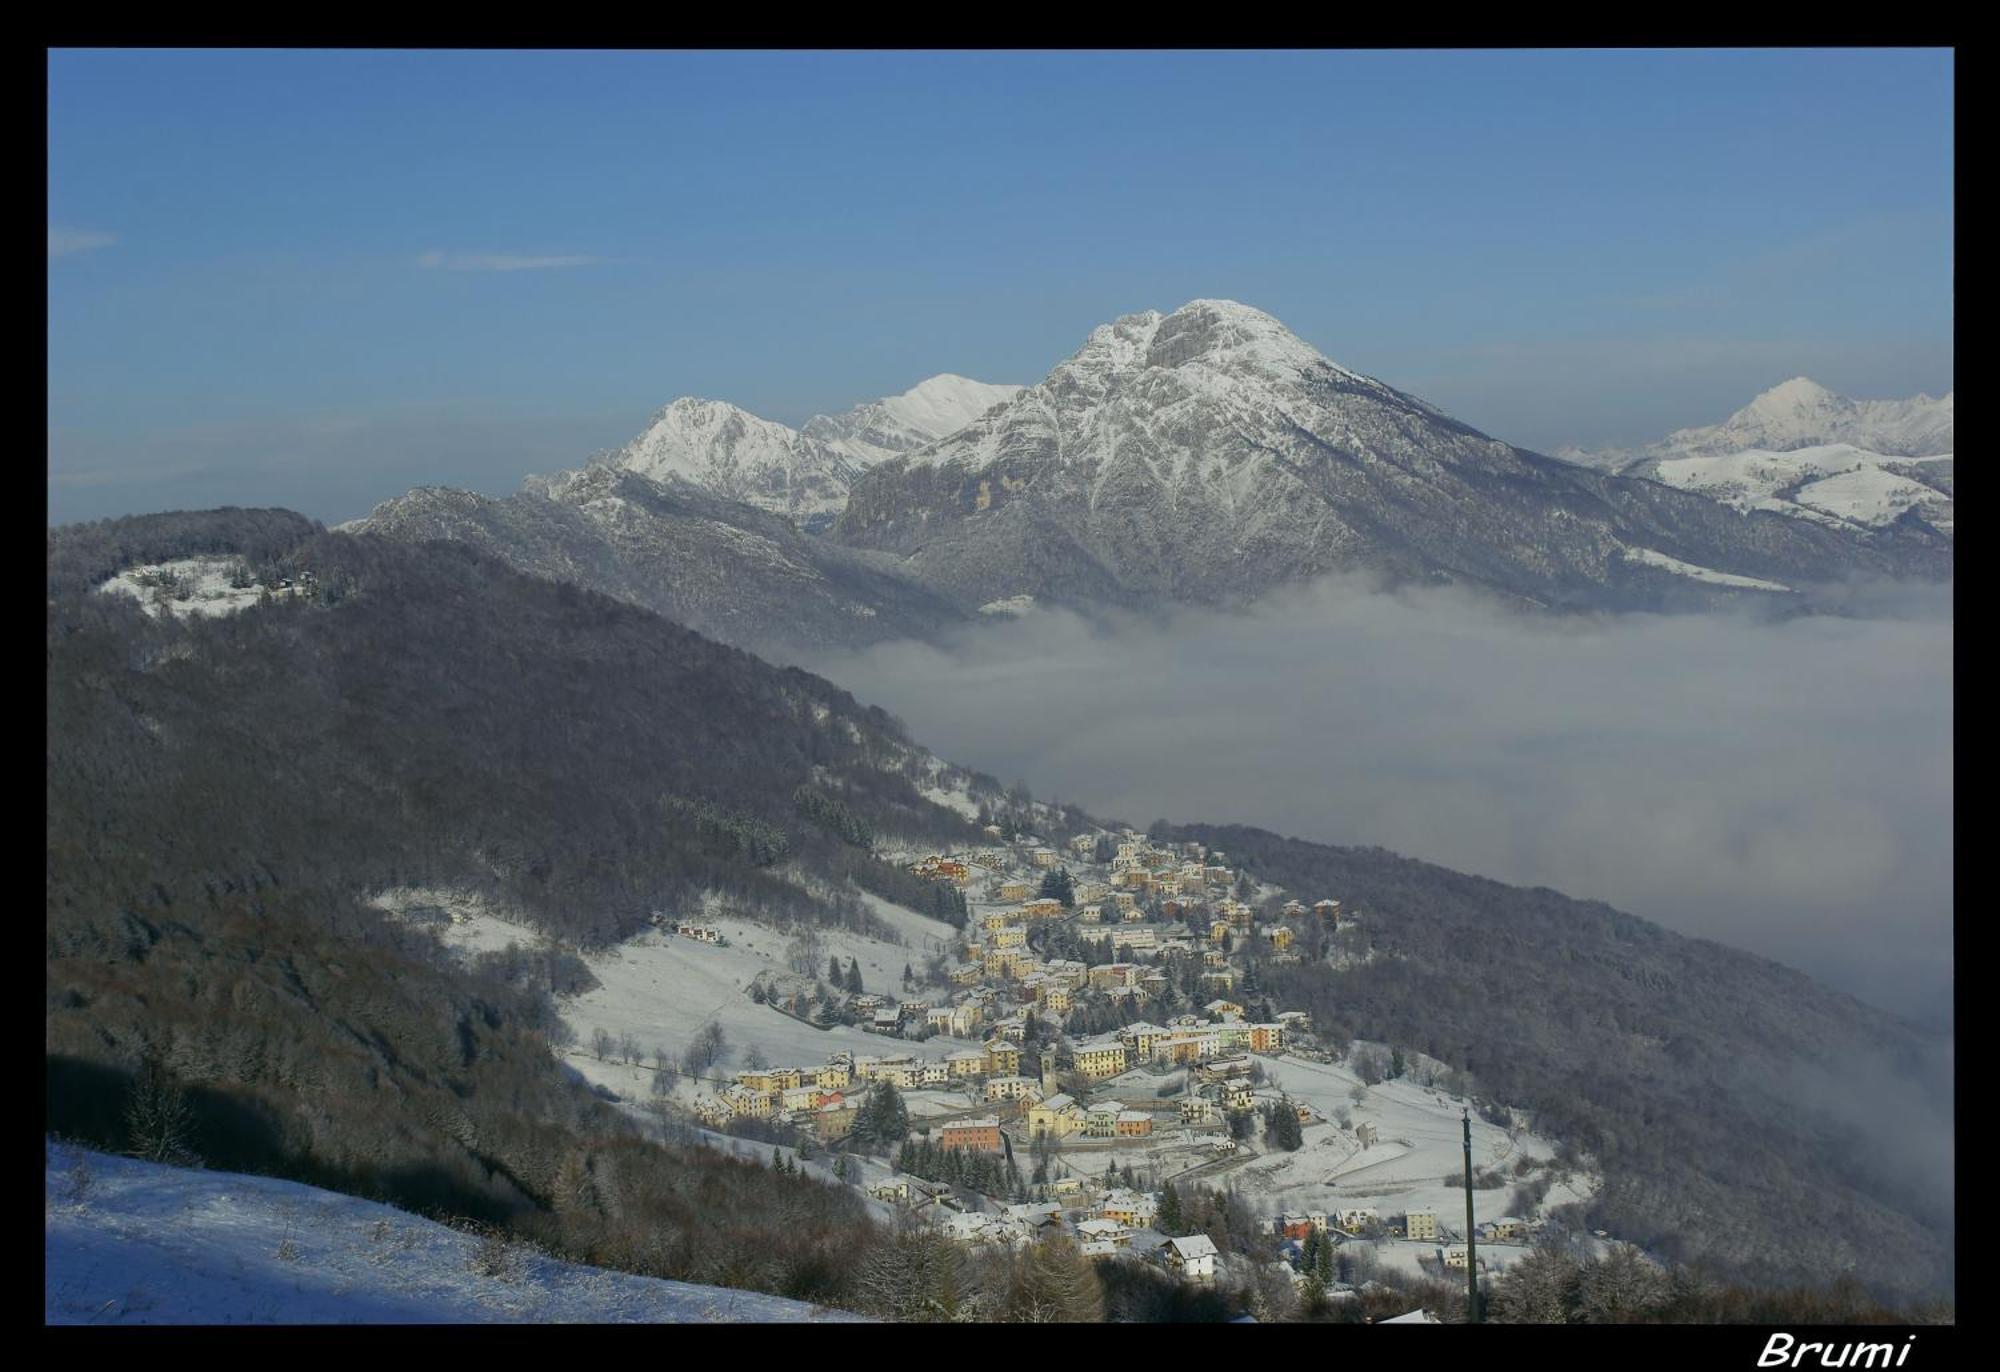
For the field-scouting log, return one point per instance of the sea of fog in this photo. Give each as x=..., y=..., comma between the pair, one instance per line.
x=1784, y=786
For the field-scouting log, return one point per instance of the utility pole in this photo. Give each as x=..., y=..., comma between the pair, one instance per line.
x=1471, y=1245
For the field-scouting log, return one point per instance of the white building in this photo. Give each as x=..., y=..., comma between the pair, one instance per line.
x=1193, y=1257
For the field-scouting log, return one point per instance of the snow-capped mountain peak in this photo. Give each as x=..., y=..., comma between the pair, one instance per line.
x=734, y=453
x=802, y=474
x=945, y=403
x=1796, y=409
x=1801, y=413
x=1209, y=453
x=1229, y=334
x=1802, y=450
x=929, y=410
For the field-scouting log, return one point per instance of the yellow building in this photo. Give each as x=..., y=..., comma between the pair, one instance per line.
x=1099, y=1060
x=1003, y=1059
x=1058, y=1117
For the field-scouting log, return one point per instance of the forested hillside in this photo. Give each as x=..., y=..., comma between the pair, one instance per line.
x=1741, y=1112
x=223, y=794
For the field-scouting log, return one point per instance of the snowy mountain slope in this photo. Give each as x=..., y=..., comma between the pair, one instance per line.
x=1833, y=483
x=928, y=411
x=131, y=1242
x=1801, y=450
x=700, y=518
x=730, y=570
x=1210, y=455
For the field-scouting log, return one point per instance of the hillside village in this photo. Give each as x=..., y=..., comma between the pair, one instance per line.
x=1089, y=1053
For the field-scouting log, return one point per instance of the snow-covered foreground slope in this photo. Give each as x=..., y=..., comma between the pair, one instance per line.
x=140, y=1243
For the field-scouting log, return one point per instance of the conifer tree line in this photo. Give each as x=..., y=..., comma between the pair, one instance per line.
x=989, y=1174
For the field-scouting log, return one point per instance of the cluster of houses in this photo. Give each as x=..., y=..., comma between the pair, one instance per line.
x=999, y=981
x=997, y=984
x=1117, y=1224
x=683, y=928
x=1416, y=1225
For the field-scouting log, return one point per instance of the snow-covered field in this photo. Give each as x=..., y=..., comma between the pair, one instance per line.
x=1419, y=1142
x=206, y=580
x=1647, y=557
x=140, y=1243
x=1829, y=483
x=661, y=989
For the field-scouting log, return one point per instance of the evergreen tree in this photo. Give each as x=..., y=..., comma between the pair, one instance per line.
x=854, y=975
x=883, y=1120
x=833, y=973
x=1170, y=1221
x=159, y=1122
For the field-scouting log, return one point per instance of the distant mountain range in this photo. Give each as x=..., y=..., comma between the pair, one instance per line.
x=1801, y=450
x=1210, y=455
x=1799, y=414
x=1205, y=456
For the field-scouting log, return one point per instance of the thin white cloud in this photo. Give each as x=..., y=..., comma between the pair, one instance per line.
x=499, y=262
x=63, y=242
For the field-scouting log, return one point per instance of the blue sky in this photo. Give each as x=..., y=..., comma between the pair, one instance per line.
x=318, y=279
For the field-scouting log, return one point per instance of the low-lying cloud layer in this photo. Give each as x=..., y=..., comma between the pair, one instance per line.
x=1785, y=787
